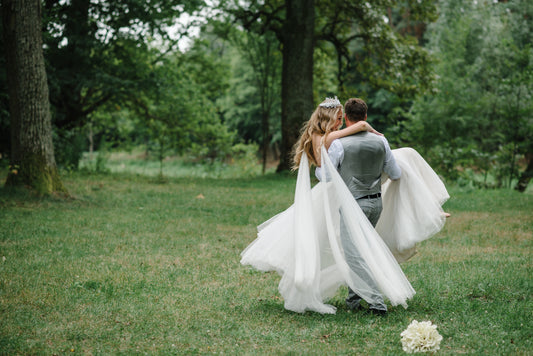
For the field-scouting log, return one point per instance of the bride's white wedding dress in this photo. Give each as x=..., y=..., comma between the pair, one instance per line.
x=303, y=243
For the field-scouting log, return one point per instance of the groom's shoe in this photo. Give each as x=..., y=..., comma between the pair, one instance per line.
x=354, y=304
x=374, y=311
x=354, y=308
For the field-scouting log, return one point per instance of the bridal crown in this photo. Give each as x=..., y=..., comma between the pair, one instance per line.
x=330, y=103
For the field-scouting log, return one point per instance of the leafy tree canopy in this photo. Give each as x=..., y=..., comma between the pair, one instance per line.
x=96, y=50
x=480, y=114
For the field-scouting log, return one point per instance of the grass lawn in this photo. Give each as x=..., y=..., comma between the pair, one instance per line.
x=132, y=265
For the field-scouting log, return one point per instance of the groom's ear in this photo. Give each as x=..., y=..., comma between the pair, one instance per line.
x=366, y=116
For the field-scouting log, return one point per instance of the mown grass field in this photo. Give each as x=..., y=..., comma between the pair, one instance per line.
x=134, y=265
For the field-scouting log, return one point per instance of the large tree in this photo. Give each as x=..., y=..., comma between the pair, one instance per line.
x=388, y=59
x=297, y=73
x=32, y=161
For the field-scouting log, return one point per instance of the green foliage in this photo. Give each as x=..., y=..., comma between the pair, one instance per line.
x=96, y=52
x=375, y=53
x=241, y=107
x=212, y=141
x=374, y=48
x=69, y=146
x=480, y=114
x=95, y=162
x=244, y=157
x=171, y=113
x=252, y=103
x=325, y=78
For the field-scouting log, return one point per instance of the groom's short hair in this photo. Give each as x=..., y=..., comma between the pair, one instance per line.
x=355, y=109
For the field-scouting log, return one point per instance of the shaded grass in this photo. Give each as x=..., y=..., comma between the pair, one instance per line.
x=130, y=265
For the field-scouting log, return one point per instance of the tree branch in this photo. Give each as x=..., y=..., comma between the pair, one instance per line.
x=272, y=20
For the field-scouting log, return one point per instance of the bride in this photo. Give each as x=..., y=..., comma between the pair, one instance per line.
x=303, y=242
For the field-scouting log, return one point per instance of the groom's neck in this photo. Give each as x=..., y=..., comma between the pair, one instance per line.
x=350, y=123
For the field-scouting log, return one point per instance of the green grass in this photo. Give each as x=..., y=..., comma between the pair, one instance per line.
x=131, y=265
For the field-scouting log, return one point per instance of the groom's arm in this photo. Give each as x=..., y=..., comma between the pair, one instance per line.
x=391, y=166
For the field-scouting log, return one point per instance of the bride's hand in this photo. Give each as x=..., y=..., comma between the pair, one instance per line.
x=369, y=128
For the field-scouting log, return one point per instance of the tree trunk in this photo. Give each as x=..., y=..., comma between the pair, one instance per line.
x=297, y=74
x=32, y=153
x=526, y=175
x=266, y=137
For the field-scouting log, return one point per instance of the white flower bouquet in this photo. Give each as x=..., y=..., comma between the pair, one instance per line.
x=421, y=337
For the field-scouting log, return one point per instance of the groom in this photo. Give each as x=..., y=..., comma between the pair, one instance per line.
x=361, y=159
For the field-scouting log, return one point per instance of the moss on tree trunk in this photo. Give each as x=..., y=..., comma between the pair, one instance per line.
x=35, y=173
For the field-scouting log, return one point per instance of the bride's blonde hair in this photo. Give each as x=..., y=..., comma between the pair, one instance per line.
x=322, y=122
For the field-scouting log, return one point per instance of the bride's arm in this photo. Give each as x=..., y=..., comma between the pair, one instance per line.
x=347, y=131
x=317, y=141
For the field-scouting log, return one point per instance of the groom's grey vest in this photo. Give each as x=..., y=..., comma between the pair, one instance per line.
x=361, y=168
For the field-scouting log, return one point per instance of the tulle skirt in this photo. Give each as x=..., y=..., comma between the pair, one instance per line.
x=412, y=206
x=303, y=243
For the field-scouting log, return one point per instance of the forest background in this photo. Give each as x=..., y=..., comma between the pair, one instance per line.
x=210, y=82
x=192, y=89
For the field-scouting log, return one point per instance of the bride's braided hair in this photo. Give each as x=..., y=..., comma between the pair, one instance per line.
x=322, y=122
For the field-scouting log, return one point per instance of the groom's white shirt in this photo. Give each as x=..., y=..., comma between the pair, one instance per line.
x=336, y=155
